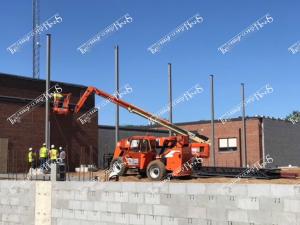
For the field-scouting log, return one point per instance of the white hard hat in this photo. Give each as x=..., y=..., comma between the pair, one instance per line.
x=44, y=144
x=60, y=147
x=52, y=146
x=30, y=149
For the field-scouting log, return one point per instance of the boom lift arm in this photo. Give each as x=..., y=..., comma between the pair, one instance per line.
x=133, y=109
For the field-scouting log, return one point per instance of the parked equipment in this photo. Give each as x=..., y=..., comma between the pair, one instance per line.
x=155, y=157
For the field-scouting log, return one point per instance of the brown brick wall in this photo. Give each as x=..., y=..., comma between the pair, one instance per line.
x=65, y=131
x=232, y=129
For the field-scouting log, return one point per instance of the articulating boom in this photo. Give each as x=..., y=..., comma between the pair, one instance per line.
x=133, y=109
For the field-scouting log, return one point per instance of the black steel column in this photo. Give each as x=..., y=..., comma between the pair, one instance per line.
x=117, y=92
x=48, y=78
x=244, y=140
x=212, y=104
x=170, y=95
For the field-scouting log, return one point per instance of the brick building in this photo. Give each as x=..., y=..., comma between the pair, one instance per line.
x=15, y=139
x=278, y=138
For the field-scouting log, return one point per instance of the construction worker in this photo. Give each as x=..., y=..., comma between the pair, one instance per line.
x=53, y=154
x=57, y=97
x=43, y=155
x=62, y=154
x=31, y=158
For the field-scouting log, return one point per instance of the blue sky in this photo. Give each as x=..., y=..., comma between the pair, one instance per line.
x=262, y=58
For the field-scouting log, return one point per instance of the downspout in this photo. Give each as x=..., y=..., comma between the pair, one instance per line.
x=263, y=143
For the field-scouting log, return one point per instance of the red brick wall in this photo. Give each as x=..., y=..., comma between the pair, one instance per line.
x=228, y=130
x=30, y=132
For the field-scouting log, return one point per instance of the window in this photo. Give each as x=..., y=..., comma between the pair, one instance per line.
x=227, y=144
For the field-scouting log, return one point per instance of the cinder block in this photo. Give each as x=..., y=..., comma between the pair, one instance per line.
x=113, y=187
x=161, y=187
x=100, y=206
x=216, y=214
x=238, y=216
x=80, y=195
x=169, y=221
x=151, y=198
x=195, y=189
x=227, y=201
x=130, y=208
x=136, y=197
x=87, y=205
x=129, y=187
x=60, y=203
x=137, y=219
x=284, y=218
x=271, y=203
x=107, y=196
x=80, y=214
x=107, y=217
x=177, y=188
x=73, y=204
x=188, y=221
x=122, y=218
x=282, y=190
x=196, y=212
x=177, y=209
x=248, y=203
x=93, y=215
x=67, y=222
x=143, y=186
x=153, y=220
x=121, y=196
x=172, y=199
x=259, y=190
x=57, y=213
x=262, y=216
x=144, y=209
x=209, y=201
x=161, y=210
x=291, y=205
x=68, y=213
x=114, y=207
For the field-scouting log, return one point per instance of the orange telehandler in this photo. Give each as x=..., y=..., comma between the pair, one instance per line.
x=153, y=156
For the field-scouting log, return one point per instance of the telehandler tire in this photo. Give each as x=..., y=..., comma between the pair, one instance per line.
x=156, y=170
x=118, y=166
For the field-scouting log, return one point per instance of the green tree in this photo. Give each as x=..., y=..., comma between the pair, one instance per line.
x=294, y=117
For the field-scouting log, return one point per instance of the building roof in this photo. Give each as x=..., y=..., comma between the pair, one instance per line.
x=6, y=75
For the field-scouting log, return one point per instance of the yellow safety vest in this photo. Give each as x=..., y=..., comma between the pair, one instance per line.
x=43, y=152
x=57, y=96
x=30, y=157
x=53, y=154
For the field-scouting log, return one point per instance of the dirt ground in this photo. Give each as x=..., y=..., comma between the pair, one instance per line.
x=134, y=178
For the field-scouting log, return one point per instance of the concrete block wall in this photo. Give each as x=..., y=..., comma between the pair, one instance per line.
x=145, y=203
x=114, y=203
x=17, y=203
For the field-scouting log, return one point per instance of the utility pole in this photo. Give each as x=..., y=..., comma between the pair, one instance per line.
x=212, y=105
x=244, y=140
x=170, y=95
x=117, y=92
x=48, y=69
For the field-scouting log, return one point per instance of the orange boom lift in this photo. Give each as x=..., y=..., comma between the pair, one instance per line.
x=153, y=156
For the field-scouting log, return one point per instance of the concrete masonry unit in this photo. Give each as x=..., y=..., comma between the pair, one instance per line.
x=116, y=203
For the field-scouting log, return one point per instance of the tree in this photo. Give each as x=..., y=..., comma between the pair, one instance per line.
x=294, y=117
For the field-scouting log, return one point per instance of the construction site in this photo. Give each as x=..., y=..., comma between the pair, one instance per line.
x=87, y=150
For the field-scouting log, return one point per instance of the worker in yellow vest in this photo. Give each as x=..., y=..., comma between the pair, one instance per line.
x=31, y=158
x=57, y=97
x=53, y=154
x=43, y=155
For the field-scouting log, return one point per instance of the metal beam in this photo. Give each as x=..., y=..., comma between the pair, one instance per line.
x=117, y=93
x=170, y=95
x=212, y=105
x=244, y=140
x=48, y=69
